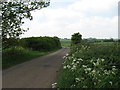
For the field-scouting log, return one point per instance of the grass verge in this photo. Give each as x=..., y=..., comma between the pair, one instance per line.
x=17, y=55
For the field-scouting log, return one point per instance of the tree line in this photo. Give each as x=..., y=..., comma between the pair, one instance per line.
x=34, y=43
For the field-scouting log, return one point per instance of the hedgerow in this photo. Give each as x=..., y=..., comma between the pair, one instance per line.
x=16, y=51
x=91, y=65
x=42, y=43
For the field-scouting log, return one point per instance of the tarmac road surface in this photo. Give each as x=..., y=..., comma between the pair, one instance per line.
x=37, y=73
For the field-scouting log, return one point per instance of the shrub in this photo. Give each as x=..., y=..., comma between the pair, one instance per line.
x=42, y=43
x=10, y=42
x=76, y=38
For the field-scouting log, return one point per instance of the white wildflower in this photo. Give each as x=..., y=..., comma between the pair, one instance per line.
x=64, y=57
x=77, y=79
x=88, y=69
x=98, y=59
x=73, y=63
x=67, y=54
x=113, y=72
x=94, y=83
x=54, y=85
x=73, y=68
x=84, y=86
x=102, y=60
x=110, y=82
x=74, y=60
x=64, y=67
x=92, y=60
x=107, y=72
x=114, y=68
x=84, y=66
x=77, y=62
x=80, y=59
x=93, y=71
x=97, y=63
x=94, y=64
x=68, y=66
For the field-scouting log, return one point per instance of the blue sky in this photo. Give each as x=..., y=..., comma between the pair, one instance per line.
x=92, y=18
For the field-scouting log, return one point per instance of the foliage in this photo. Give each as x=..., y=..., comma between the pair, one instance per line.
x=13, y=14
x=119, y=40
x=10, y=42
x=90, y=65
x=108, y=40
x=21, y=50
x=76, y=38
x=42, y=43
x=16, y=55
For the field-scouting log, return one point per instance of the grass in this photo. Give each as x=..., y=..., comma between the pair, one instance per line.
x=91, y=65
x=65, y=43
x=17, y=55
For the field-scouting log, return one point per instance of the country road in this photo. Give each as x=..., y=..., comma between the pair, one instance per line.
x=37, y=73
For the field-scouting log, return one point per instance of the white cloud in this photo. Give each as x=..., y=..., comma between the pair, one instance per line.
x=93, y=5
x=63, y=22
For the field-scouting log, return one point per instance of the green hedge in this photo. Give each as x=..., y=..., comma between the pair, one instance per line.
x=41, y=43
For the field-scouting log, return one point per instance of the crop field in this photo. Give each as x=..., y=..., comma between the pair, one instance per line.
x=65, y=43
x=91, y=65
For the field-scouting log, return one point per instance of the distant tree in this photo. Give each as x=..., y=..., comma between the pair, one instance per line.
x=108, y=40
x=76, y=38
x=119, y=40
x=14, y=12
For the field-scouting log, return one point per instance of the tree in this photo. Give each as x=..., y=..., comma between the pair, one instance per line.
x=119, y=40
x=14, y=12
x=76, y=38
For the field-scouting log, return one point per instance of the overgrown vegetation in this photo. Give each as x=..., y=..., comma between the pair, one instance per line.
x=21, y=50
x=91, y=65
x=17, y=55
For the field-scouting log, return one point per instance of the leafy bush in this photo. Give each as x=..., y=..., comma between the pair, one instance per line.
x=42, y=43
x=76, y=38
x=10, y=42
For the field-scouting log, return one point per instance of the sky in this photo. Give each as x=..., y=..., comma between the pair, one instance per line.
x=91, y=18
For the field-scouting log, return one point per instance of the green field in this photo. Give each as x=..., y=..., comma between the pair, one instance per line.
x=105, y=43
x=65, y=43
x=91, y=65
